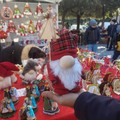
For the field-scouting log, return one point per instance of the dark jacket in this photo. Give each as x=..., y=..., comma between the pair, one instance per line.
x=111, y=30
x=93, y=107
x=92, y=35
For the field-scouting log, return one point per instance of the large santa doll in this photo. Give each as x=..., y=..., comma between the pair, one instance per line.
x=64, y=68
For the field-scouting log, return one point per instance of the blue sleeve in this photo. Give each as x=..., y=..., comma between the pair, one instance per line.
x=89, y=106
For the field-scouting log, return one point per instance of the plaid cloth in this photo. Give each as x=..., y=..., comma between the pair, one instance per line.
x=67, y=41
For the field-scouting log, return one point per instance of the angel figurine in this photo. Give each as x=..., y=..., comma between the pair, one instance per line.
x=33, y=103
x=35, y=92
x=7, y=108
x=30, y=113
x=50, y=107
x=14, y=95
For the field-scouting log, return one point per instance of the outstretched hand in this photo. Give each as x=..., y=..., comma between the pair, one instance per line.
x=65, y=100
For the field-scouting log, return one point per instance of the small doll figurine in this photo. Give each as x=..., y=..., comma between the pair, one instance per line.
x=14, y=95
x=28, y=91
x=30, y=113
x=7, y=108
x=29, y=73
x=41, y=80
x=26, y=102
x=50, y=107
x=33, y=103
x=22, y=114
x=35, y=92
x=10, y=106
x=7, y=93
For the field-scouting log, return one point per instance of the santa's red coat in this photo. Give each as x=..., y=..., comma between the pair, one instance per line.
x=58, y=86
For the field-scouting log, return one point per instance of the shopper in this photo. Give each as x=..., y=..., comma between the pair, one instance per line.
x=92, y=36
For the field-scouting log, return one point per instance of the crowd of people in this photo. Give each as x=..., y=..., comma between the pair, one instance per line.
x=93, y=36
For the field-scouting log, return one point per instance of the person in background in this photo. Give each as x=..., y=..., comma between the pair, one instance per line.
x=88, y=106
x=108, y=32
x=92, y=35
x=116, y=40
x=111, y=31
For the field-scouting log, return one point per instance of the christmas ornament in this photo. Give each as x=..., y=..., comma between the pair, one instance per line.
x=16, y=12
x=22, y=31
x=39, y=9
x=31, y=27
x=27, y=10
x=38, y=25
x=3, y=25
x=6, y=13
x=3, y=35
x=11, y=27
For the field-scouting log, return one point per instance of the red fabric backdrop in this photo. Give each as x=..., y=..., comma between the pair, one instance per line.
x=65, y=112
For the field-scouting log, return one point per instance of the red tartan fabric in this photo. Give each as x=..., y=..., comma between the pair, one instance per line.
x=58, y=55
x=65, y=45
x=66, y=41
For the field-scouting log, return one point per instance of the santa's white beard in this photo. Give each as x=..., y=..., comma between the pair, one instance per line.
x=30, y=77
x=68, y=77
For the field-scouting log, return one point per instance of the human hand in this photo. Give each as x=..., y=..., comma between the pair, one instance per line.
x=65, y=100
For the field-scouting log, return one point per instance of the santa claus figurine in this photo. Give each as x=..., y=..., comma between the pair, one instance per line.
x=64, y=69
x=27, y=10
x=11, y=27
x=39, y=9
x=7, y=76
x=38, y=25
x=16, y=12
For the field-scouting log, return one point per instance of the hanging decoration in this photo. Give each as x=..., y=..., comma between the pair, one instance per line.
x=39, y=9
x=31, y=27
x=11, y=27
x=3, y=25
x=38, y=25
x=16, y=12
x=27, y=10
x=22, y=31
x=6, y=13
x=3, y=35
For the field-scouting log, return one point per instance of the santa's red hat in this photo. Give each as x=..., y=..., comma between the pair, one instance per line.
x=6, y=69
x=65, y=45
